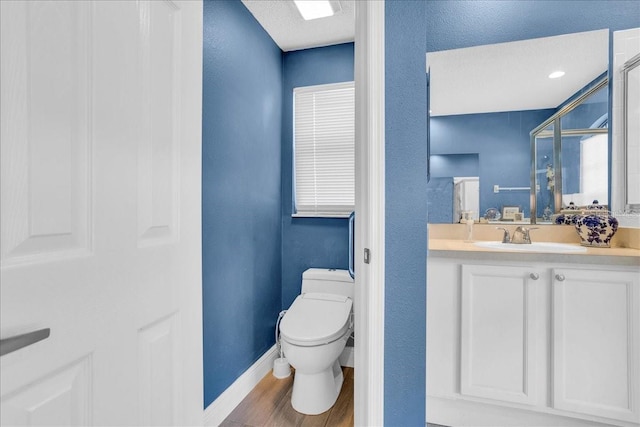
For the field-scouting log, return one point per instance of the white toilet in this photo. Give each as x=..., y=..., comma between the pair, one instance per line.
x=313, y=334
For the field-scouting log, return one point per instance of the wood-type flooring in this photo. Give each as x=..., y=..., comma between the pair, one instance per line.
x=269, y=405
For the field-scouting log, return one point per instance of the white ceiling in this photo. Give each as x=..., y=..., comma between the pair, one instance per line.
x=500, y=77
x=514, y=76
x=282, y=21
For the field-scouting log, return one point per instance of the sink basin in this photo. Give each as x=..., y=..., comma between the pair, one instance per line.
x=533, y=247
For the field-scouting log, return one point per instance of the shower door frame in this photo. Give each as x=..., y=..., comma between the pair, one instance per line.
x=541, y=132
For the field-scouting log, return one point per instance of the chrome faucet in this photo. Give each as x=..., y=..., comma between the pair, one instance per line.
x=520, y=235
x=506, y=238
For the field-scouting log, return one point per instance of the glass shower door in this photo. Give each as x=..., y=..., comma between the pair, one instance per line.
x=545, y=180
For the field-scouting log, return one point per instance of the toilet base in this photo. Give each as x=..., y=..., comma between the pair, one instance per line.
x=314, y=394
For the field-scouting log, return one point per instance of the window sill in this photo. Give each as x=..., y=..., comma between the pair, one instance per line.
x=320, y=215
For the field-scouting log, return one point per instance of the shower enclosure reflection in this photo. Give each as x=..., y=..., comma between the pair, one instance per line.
x=569, y=155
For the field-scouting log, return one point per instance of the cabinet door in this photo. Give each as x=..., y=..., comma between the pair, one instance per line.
x=498, y=332
x=443, y=328
x=595, y=342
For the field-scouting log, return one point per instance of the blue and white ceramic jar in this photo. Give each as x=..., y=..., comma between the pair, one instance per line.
x=565, y=219
x=596, y=228
x=595, y=205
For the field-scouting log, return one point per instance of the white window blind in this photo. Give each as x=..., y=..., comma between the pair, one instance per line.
x=324, y=144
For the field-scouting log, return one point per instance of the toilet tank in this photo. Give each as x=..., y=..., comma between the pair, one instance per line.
x=327, y=281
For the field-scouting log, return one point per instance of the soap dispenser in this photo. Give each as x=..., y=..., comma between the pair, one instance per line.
x=469, y=221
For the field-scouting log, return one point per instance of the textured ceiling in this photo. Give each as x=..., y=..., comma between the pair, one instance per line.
x=500, y=77
x=282, y=21
x=514, y=76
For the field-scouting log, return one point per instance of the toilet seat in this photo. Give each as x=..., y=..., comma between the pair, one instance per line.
x=316, y=319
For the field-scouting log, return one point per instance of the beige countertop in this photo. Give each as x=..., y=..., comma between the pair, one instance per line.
x=447, y=240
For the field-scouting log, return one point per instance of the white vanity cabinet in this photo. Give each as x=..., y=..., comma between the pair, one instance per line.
x=532, y=343
x=497, y=332
x=595, y=339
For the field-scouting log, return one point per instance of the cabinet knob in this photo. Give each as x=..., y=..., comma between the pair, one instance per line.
x=534, y=276
x=560, y=277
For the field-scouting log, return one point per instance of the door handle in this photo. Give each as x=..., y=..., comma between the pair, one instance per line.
x=8, y=345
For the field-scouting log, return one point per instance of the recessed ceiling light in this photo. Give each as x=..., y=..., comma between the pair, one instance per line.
x=556, y=74
x=314, y=9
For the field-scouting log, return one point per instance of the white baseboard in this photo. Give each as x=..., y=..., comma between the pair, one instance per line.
x=346, y=358
x=458, y=411
x=220, y=408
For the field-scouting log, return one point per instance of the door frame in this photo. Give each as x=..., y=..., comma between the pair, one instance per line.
x=370, y=211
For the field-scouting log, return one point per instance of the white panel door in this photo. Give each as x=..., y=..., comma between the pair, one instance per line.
x=596, y=342
x=498, y=332
x=100, y=169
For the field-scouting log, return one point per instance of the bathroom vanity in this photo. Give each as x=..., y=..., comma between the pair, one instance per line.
x=532, y=338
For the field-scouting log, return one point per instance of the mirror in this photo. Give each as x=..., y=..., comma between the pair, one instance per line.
x=486, y=100
x=570, y=155
x=631, y=132
x=453, y=198
x=625, y=156
x=453, y=187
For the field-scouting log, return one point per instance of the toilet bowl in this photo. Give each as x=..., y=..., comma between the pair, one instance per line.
x=313, y=333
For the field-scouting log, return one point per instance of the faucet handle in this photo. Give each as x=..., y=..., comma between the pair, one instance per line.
x=506, y=238
x=528, y=230
x=525, y=233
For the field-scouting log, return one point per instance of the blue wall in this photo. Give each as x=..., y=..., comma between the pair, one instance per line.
x=241, y=226
x=309, y=242
x=411, y=29
x=406, y=215
x=449, y=165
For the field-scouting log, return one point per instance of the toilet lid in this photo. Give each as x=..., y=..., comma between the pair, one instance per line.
x=315, y=319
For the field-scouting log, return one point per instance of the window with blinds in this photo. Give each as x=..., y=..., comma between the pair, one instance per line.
x=323, y=146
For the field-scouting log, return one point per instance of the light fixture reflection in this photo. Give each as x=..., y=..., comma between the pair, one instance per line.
x=556, y=74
